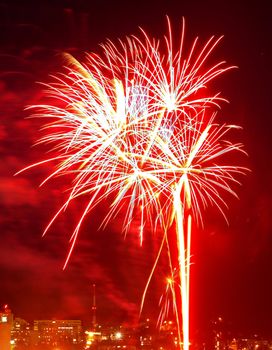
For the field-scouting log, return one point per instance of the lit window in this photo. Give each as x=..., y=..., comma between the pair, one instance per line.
x=4, y=319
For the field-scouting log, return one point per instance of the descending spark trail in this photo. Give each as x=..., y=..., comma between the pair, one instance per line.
x=137, y=123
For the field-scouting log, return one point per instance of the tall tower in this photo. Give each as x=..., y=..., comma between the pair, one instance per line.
x=6, y=323
x=93, y=308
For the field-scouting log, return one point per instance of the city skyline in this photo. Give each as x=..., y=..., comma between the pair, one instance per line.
x=231, y=264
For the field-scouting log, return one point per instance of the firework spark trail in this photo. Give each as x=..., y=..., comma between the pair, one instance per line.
x=137, y=123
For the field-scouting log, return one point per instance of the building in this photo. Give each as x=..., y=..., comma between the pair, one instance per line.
x=6, y=323
x=20, y=333
x=57, y=332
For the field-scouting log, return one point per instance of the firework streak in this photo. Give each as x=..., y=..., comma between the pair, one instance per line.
x=137, y=124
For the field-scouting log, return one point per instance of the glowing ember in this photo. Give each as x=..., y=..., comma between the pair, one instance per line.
x=137, y=122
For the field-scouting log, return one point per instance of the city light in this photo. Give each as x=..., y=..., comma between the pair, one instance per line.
x=118, y=335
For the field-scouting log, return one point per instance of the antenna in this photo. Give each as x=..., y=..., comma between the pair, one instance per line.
x=93, y=307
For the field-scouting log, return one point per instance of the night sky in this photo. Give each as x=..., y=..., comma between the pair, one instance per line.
x=232, y=263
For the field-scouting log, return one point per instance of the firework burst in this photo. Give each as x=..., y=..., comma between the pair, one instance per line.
x=137, y=124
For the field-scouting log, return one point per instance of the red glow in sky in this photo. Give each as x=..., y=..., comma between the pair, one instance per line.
x=240, y=252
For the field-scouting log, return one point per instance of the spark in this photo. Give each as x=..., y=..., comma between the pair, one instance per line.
x=137, y=124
